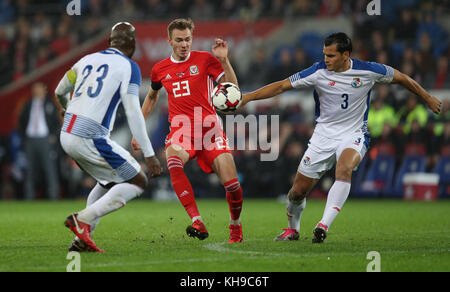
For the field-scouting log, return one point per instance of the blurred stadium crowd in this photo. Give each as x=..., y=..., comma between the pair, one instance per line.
x=406, y=36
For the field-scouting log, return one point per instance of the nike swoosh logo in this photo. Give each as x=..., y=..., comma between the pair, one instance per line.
x=80, y=231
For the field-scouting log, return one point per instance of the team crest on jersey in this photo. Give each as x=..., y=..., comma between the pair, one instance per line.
x=356, y=82
x=357, y=141
x=193, y=70
x=307, y=161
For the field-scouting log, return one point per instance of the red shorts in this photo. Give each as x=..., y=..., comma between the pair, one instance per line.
x=205, y=147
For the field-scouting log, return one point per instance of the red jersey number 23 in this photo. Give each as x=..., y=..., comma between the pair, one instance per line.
x=181, y=89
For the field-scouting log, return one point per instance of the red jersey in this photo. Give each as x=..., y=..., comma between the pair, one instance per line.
x=189, y=83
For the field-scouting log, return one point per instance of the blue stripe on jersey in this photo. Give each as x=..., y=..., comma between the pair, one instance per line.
x=317, y=102
x=106, y=151
x=111, y=108
x=369, y=66
x=135, y=73
x=309, y=71
x=123, y=168
x=367, y=140
x=136, y=77
x=366, y=114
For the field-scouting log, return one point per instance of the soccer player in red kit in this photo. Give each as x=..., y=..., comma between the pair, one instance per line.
x=195, y=129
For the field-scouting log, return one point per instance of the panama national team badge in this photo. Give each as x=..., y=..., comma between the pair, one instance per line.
x=193, y=70
x=356, y=82
x=307, y=161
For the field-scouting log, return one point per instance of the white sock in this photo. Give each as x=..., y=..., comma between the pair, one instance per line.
x=197, y=218
x=294, y=212
x=235, y=222
x=114, y=199
x=336, y=198
x=96, y=193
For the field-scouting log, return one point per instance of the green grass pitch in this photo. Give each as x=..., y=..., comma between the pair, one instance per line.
x=150, y=236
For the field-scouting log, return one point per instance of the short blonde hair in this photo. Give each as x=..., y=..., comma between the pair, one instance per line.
x=181, y=24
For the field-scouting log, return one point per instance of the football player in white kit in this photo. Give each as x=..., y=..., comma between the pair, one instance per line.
x=342, y=88
x=99, y=82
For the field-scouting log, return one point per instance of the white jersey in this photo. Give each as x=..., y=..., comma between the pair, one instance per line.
x=103, y=80
x=100, y=82
x=342, y=98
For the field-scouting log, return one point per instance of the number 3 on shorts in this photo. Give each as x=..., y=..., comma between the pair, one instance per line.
x=345, y=104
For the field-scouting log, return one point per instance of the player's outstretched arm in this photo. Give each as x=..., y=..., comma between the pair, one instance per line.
x=267, y=91
x=433, y=102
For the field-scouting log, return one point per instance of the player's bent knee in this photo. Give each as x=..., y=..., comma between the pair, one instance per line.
x=344, y=172
x=140, y=180
x=178, y=151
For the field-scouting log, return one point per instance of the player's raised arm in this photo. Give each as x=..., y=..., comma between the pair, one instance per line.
x=267, y=91
x=433, y=102
x=220, y=50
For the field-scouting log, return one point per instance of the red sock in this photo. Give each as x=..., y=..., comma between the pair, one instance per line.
x=182, y=186
x=234, y=198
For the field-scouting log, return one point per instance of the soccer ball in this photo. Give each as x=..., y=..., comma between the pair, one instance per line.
x=226, y=97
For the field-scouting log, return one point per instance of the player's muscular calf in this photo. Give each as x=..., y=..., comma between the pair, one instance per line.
x=301, y=188
x=224, y=167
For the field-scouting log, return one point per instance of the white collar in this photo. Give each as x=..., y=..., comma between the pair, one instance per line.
x=117, y=50
x=182, y=61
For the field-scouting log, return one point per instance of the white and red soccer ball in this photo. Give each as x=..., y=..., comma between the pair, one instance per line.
x=226, y=97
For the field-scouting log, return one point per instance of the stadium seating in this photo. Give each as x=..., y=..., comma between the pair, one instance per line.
x=378, y=181
x=443, y=169
x=276, y=56
x=312, y=43
x=398, y=49
x=415, y=149
x=410, y=163
x=358, y=176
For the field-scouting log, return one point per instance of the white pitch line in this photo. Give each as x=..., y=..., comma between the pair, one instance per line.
x=221, y=247
x=121, y=264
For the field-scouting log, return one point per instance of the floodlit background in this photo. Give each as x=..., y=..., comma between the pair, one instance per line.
x=269, y=41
